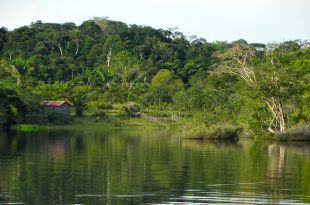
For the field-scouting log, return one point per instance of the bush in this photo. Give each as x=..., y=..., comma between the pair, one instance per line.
x=104, y=105
x=100, y=114
x=132, y=110
x=57, y=117
x=100, y=105
x=12, y=108
x=300, y=133
x=36, y=119
x=213, y=132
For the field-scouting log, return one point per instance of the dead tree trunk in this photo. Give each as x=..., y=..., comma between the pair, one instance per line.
x=60, y=49
x=237, y=61
x=77, y=46
x=277, y=124
x=109, y=58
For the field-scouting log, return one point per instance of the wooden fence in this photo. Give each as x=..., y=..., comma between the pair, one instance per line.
x=175, y=117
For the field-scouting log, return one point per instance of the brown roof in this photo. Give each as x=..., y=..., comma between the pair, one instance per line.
x=51, y=103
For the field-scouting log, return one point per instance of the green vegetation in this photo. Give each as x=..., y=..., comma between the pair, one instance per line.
x=12, y=107
x=29, y=127
x=212, y=132
x=102, y=65
x=88, y=122
x=301, y=133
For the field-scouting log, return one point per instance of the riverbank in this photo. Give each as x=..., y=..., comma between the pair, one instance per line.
x=299, y=133
x=115, y=122
x=196, y=130
x=188, y=130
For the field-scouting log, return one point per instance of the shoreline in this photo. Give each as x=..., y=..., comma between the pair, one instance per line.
x=114, y=123
x=293, y=134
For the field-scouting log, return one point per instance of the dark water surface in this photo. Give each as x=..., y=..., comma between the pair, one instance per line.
x=148, y=166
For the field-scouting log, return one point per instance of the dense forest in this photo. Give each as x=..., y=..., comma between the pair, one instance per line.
x=260, y=88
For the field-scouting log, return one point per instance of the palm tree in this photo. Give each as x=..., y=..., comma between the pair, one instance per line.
x=11, y=69
x=79, y=102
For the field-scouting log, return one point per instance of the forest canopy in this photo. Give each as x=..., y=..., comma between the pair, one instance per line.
x=254, y=86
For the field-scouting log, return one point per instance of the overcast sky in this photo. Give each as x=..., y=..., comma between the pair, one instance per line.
x=253, y=20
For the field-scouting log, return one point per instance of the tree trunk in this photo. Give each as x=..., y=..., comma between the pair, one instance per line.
x=60, y=49
x=278, y=122
x=77, y=46
x=109, y=58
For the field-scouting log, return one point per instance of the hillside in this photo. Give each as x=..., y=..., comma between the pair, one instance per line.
x=254, y=86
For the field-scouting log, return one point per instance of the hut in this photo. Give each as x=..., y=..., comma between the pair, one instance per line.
x=62, y=107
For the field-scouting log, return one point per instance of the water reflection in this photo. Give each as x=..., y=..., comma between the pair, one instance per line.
x=149, y=166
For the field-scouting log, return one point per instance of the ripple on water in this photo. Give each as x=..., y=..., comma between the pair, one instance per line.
x=241, y=183
x=89, y=195
x=134, y=195
x=230, y=198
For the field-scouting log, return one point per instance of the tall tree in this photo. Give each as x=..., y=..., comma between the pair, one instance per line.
x=272, y=77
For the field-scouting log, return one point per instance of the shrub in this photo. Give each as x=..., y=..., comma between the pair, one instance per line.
x=34, y=118
x=214, y=132
x=57, y=117
x=100, y=105
x=100, y=114
x=132, y=110
x=300, y=133
x=104, y=105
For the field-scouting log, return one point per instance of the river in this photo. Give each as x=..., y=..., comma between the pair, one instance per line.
x=142, y=165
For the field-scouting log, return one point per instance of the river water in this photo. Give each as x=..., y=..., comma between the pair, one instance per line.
x=142, y=165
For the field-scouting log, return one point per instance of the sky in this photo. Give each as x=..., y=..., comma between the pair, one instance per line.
x=256, y=21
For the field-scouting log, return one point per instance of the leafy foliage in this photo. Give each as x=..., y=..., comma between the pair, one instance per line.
x=254, y=86
x=12, y=107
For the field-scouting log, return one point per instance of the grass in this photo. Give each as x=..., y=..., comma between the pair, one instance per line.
x=110, y=122
x=116, y=117
x=299, y=133
x=29, y=127
x=110, y=117
x=114, y=121
x=213, y=132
